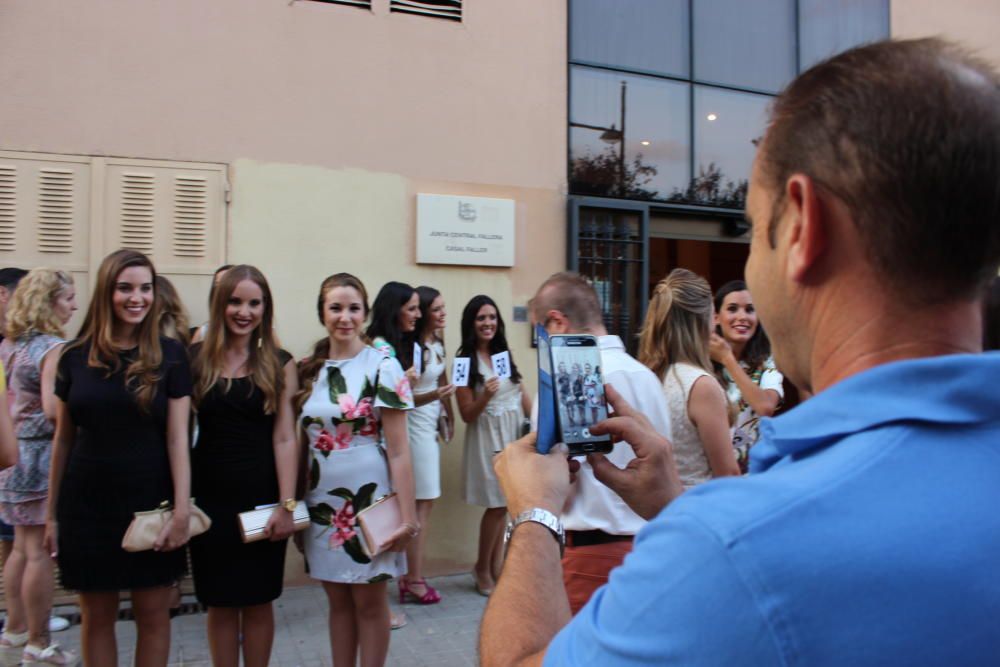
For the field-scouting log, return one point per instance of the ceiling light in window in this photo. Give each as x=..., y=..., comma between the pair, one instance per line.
x=711, y=116
x=644, y=142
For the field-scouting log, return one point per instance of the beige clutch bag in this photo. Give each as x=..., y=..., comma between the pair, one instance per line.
x=252, y=522
x=146, y=526
x=378, y=522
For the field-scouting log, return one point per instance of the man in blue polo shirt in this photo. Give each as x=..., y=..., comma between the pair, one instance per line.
x=869, y=530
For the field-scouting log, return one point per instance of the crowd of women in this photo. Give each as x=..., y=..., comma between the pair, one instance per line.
x=131, y=413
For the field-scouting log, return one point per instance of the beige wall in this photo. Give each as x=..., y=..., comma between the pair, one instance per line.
x=972, y=23
x=331, y=120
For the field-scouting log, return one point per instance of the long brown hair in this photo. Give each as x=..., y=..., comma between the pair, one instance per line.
x=309, y=367
x=678, y=323
x=143, y=373
x=172, y=316
x=263, y=362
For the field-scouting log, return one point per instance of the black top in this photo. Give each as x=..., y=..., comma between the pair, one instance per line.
x=118, y=465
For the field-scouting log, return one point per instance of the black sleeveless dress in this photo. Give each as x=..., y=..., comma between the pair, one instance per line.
x=233, y=471
x=118, y=465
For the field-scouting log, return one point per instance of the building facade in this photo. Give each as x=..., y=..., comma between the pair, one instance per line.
x=297, y=135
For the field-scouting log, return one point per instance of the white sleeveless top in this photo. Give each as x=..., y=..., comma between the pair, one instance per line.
x=692, y=463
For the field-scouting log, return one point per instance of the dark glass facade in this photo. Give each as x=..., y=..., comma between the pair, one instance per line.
x=668, y=96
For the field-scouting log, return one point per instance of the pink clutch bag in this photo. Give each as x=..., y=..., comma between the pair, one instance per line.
x=378, y=522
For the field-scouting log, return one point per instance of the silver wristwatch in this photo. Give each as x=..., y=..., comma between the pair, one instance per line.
x=544, y=517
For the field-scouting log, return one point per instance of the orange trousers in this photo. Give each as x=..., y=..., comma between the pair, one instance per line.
x=585, y=569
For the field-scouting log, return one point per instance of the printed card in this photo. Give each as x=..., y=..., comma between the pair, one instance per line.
x=501, y=364
x=460, y=372
x=418, y=359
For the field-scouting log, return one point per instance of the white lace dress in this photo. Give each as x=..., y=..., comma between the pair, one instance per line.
x=422, y=426
x=689, y=453
x=497, y=425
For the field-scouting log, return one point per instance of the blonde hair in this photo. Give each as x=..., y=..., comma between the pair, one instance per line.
x=31, y=308
x=263, y=363
x=678, y=323
x=172, y=317
x=143, y=373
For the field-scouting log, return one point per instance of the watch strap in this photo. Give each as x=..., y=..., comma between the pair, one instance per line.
x=544, y=517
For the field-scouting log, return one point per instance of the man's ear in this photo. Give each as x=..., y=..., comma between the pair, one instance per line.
x=559, y=321
x=807, y=227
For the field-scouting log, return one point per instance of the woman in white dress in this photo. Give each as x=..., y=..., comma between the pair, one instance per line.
x=352, y=407
x=674, y=345
x=493, y=408
x=741, y=352
x=432, y=398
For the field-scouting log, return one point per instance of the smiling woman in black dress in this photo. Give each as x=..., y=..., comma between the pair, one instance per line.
x=120, y=446
x=246, y=455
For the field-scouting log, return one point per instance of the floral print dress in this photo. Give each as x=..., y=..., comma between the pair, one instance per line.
x=348, y=470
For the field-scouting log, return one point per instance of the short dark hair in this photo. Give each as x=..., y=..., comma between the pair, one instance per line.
x=991, y=316
x=907, y=135
x=573, y=296
x=11, y=276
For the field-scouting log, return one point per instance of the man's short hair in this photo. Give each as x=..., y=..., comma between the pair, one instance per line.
x=573, y=296
x=907, y=135
x=11, y=276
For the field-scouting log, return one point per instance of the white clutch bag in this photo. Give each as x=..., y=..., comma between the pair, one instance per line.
x=252, y=523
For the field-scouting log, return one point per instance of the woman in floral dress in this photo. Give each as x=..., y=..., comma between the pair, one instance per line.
x=352, y=407
x=741, y=353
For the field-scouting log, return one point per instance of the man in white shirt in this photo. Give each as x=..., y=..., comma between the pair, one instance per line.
x=599, y=525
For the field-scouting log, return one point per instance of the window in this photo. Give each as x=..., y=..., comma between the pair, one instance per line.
x=639, y=35
x=667, y=96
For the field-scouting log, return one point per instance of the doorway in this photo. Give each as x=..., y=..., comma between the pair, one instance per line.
x=716, y=261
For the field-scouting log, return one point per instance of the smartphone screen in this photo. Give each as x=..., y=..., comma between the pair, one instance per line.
x=579, y=388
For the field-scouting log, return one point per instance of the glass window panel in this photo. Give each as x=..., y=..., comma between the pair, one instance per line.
x=656, y=141
x=726, y=123
x=745, y=44
x=827, y=28
x=648, y=35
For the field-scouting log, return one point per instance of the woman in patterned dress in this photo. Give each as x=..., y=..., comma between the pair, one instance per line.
x=352, y=407
x=742, y=356
x=43, y=303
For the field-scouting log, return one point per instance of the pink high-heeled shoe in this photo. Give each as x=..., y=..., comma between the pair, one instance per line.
x=430, y=596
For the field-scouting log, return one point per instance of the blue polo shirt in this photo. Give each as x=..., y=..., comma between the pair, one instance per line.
x=868, y=534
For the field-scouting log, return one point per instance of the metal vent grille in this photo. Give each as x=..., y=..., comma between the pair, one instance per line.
x=190, y=215
x=137, y=211
x=442, y=9
x=55, y=210
x=363, y=4
x=8, y=207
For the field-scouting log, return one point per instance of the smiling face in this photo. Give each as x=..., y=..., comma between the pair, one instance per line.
x=64, y=304
x=486, y=324
x=343, y=314
x=132, y=297
x=737, y=317
x=244, y=308
x=436, y=313
x=409, y=314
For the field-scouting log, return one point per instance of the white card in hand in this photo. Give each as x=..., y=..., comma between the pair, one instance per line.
x=501, y=364
x=460, y=372
x=418, y=359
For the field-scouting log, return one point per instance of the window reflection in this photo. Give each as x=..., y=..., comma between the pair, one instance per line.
x=745, y=44
x=645, y=161
x=726, y=124
x=644, y=35
x=827, y=28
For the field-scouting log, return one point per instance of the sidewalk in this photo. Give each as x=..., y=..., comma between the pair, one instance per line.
x=441, y=635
